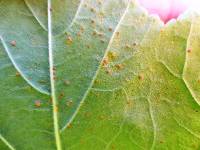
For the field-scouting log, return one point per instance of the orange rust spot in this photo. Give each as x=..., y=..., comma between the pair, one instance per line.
x=134, y=44
x=37, y=103
x=128, y=46
x=102, y=41
x=109, y=71
x=13, y=43
x=119, y=66
x=100, y=2
x=92, y=9
x=128, y=102
x=69, y=40
x=110, y=29
x=92, y=21
x=85, y=5
x=61, y=95
x=56, y=109
x=141, y=77
x=117, y=33
x=88, y=46
x=54, y=68
x=69, y=103
x=189, y=50
x=162, y=30
x=100, y=34
x=17, y=74
x=69, y=126
x=79, y=34
x=66, y=82
x=105, y=62
x=54, y=78
x=94, y=33
x=112, y=55
x=82, y=29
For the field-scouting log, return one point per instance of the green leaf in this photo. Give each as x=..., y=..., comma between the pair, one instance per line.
x=97, y=75
x=68, y=38
x=150, y=98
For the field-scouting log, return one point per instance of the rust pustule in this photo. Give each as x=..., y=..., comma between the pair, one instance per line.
x=13, y=43
x=69, y=40
x=102, y=41
x=37, y=103
x=141, y=77
x=66, y=82
x=69, y=103
x=112, y=55
x=117, y=33
x=119, y=66
x=92, y=21
x=69, y=126
x=92, y=10
x=61, y=95
x=189, y=50
x=128, y=46
x=110, y=29
x=17, y=74
x=109, y=71
x=105, y=62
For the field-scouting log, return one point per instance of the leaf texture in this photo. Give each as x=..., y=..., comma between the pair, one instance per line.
x=97, y=75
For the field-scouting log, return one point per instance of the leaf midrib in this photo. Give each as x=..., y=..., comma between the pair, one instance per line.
x=52, y=83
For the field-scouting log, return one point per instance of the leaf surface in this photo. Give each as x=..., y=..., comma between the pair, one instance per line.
x=57, y=48
x=97, y=75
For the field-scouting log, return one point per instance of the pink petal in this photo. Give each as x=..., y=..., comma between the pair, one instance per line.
x=165, y=9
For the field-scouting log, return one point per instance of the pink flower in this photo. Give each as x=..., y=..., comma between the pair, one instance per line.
x=169, y=9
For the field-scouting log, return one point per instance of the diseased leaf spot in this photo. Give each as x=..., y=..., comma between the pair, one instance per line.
x=128, y=46
x=61, y=95
x=100, y=34
x=66, y=82
x=69, y=126
x=109, y=71
x=37, y=103
x=141, y=77
x=100, y=2
x=117, y=33
x=112, y=55
x=105, y=62
x=17, y=74
x=69, y=40
x=92, y=10
x=41, y=81
x=13, y=43
x=69, y=103
x=85, y=5
x=119, y=66
x=110, y=29
x=88, y=46
x=134, y=44
x=56, y=109
x=92, y=21
x=189, y=50
x=94, y=33
x=102, y=41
